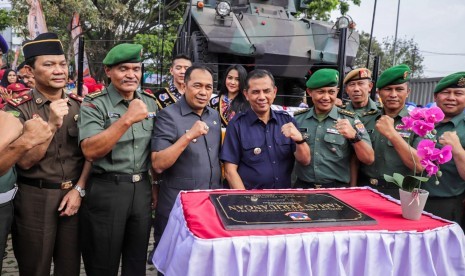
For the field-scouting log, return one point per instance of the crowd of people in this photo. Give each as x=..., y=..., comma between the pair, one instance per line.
x=81, y=176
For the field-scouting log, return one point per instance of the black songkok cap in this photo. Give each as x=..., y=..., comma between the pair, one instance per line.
x=43, y=44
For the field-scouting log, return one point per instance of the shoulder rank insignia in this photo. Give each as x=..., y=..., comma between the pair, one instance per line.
x=346, y=112
x=20, y=100
x=371, y=112
x=298, y=112
x=96, y=94
x=75, y=97
x=149, y=94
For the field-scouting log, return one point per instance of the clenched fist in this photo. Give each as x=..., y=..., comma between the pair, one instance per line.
x=198, y=129
x=58, y=110
x=36, y=131
x=385, y=126
x=289, y=130
x=137, y=111
x=345, y=128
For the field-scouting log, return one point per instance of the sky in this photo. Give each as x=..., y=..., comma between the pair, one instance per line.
x=438, y=27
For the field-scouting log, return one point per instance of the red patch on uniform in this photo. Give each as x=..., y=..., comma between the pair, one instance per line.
x=91, y=105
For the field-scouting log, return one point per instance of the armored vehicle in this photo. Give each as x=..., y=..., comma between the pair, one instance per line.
x=265, y=34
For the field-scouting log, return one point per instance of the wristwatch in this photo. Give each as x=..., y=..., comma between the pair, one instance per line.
x=81, y=191
x=357, y=138
x=304, y=139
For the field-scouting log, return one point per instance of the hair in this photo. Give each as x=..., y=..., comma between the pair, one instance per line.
x=31, y=62
x=187, y=75
x=180, y=56
x=239, y=103
x=21, y=66
x=258, y=74
x=4, y=82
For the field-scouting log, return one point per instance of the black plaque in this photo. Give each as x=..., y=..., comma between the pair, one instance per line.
x=285, y=210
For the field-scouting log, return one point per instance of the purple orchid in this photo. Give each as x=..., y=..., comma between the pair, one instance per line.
x=443, y=155
x=417, y=113
x=425, y=149
x=422, y=128
x=433, y=115
x=430, y=168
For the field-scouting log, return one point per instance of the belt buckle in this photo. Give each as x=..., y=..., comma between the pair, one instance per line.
x=374, y=181
x=318, y=186
x=66, y=185
x=136, y=177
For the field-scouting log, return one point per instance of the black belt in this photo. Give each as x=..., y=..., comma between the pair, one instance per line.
x=42, y=184
x=378, y=183
x=122, y=177
x=332, y=184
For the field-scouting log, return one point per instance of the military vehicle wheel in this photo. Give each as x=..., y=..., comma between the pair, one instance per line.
x=198, y=52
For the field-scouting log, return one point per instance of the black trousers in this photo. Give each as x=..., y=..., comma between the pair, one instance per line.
x=299, y=183
x=115, y=223
x=6, y=218
x=450, y=208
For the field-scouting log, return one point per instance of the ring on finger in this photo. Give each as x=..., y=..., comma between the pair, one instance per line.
x=206, y=127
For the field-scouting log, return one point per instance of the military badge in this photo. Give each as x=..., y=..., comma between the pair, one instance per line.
x=163, y=97
x=404, y=135
x=332, y=131
x=406, y=74
x=14, y=113
x=359, y=126
x=461, y=82
x=363, y=74
x=298, y=216
x=114, y=115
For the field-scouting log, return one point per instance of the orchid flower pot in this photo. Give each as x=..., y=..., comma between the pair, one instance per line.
x=413, y=203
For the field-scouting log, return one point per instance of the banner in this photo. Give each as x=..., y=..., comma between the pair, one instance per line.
x=36, y=19
x=75, y=33
x=15, y=61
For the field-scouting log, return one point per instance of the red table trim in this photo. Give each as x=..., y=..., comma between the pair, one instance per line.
x=203, y=221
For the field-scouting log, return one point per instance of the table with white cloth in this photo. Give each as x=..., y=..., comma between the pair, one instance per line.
x=196, y=243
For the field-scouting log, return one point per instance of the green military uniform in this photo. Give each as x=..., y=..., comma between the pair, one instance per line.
x=7, y=191
x=387, y=160
x=131, y=154
x=331, y=152
x=366, y=113
x=116, y=212
x=446, y=199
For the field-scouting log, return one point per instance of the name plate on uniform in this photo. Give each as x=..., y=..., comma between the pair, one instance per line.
x=283, y=210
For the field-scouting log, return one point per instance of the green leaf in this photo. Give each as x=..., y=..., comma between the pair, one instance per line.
x=412, y=182
x=399, y=179
x=391, y=179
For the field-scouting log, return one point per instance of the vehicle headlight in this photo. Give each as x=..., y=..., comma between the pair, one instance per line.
x=223, y=8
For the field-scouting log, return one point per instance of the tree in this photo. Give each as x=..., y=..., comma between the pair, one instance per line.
x=321, y=9
x=105, y=23
x=407, y=52
x=6, y=18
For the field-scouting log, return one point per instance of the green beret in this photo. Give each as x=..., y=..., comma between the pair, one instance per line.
x=456, y=80
x=395, y=75
x=323, y=78
x=125, y=52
